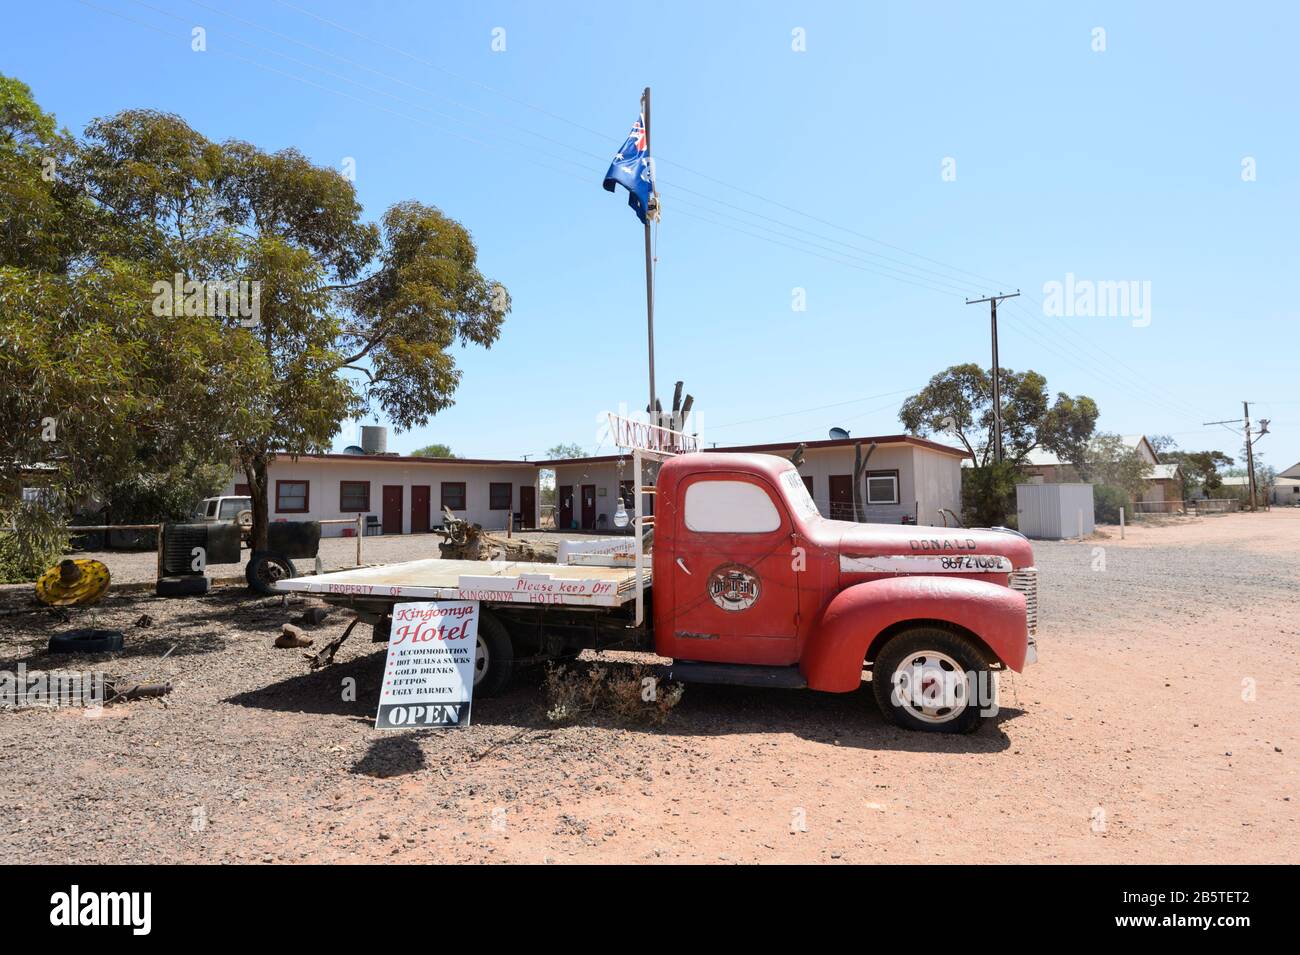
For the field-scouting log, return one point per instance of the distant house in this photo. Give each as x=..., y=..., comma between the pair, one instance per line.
x=399, y=494
x=1164, y=486
x=1285, y=491
x=1292, y=472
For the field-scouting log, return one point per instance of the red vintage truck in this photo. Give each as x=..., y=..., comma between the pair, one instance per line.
x=748, y=584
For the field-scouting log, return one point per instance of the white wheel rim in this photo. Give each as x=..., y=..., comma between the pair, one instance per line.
x=931, y=686
x=481, y=660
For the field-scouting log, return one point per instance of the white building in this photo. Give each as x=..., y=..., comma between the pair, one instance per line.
x=398, y=494
x=1285, y=491
x=905, y=477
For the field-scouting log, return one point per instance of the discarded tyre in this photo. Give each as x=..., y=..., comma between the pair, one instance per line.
x=188, y=586
x=86, y=640
x=265, y=568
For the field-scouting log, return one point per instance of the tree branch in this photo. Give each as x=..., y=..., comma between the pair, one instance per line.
x=363, y=371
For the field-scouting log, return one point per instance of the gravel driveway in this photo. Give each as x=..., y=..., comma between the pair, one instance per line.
x=1158, y=727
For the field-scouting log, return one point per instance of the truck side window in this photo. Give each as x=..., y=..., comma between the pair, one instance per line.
x=730, y=507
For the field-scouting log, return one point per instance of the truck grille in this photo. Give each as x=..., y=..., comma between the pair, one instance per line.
x=1026, y=582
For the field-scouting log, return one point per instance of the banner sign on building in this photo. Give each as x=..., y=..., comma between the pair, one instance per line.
x=429, y=674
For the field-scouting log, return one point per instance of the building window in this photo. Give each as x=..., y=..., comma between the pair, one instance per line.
x=354, y=496
x=626, y=492
x=500, y=494
x=291, y=497
x=808, y=483
x=453, y=495
x=882, y=487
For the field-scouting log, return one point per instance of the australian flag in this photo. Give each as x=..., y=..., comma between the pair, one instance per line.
x=632, y=169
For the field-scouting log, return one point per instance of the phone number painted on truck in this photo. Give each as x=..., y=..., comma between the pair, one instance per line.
x=936, y=564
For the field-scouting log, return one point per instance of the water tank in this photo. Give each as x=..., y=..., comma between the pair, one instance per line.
x=374, y=438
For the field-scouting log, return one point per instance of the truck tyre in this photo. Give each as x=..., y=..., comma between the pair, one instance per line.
x=494, y=657
x=86, y=640
x=265, y=568
x=187, y=586
x=930, y=679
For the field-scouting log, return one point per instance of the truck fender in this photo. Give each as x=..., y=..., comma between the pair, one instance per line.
x=833, y=658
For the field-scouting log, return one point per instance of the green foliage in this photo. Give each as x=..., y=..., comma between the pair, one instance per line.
x=352, y=315
x=959, y=401
x=560, y=451
x=168, y=495
x=1110, y=461
x=37, y=541
x=434, y=451
x=988, y=494
x=1197, y=469
x=1106, y=502
x=109, y=389
x=46, y=221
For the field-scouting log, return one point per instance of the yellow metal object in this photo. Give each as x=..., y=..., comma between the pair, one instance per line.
x=72, y=582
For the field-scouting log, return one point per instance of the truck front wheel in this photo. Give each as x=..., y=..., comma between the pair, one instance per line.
x=933, y=680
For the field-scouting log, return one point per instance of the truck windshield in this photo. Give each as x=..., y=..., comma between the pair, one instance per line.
x=231, y=507
x=796, y=493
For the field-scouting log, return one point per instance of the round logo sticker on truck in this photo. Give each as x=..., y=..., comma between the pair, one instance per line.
x=733, y=587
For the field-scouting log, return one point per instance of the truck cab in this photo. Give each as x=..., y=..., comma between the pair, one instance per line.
x=753, y=585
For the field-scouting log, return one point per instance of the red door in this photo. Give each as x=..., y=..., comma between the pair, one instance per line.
x=564, y=504
x=419, y=508
x=528, y=504
x=841, y=497
x=589, y=507
x=735, y=589
x=392, y=509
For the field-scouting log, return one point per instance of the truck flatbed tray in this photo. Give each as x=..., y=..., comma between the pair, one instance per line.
x=495, y=581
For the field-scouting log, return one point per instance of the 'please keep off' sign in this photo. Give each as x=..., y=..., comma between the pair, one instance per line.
x=429, y=675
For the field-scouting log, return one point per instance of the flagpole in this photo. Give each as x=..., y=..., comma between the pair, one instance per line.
x=649, y=269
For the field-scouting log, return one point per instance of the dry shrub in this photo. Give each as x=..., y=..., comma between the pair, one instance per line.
x=633, y=693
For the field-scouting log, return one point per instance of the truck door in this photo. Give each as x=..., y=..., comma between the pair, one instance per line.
x=735, y=594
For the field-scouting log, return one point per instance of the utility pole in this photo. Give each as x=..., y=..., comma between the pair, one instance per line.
x=1250, y=448
x=649, y=262
x=1250, y=453
x=997, y=371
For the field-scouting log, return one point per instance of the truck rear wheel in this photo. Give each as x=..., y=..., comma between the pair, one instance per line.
x=494, y=657
x=933, y=680
x=265, y=568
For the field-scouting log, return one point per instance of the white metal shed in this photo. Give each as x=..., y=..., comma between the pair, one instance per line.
x=1054, y=511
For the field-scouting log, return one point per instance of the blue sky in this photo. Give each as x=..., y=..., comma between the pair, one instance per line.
x=1124, y=164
